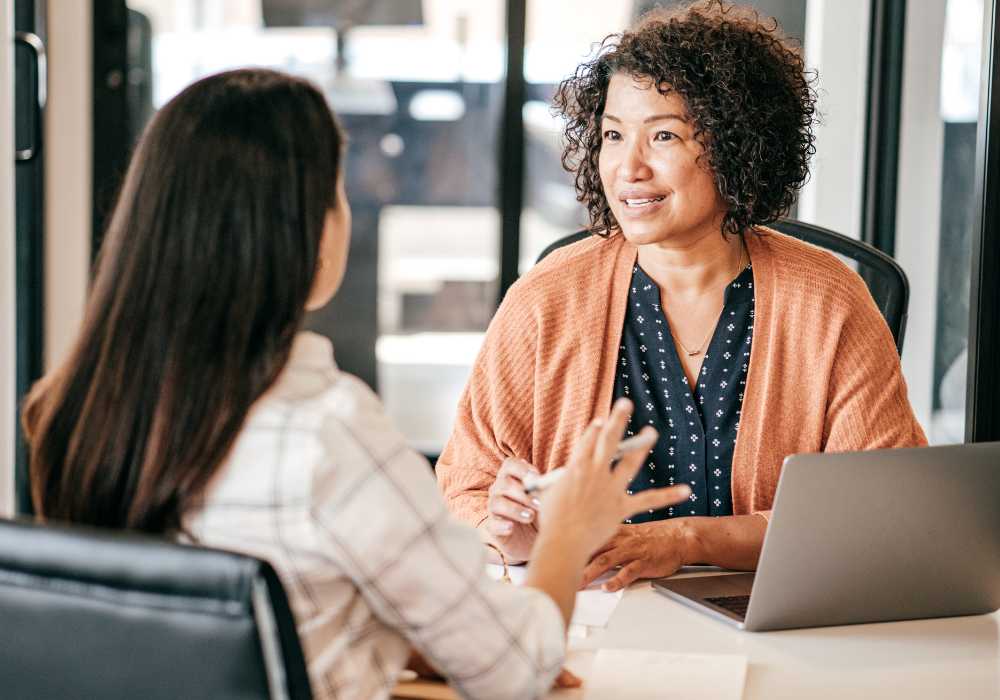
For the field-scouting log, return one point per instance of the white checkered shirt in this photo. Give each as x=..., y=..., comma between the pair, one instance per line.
x=320, y=484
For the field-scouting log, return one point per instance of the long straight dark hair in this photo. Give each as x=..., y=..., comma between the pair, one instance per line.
x=199, y=290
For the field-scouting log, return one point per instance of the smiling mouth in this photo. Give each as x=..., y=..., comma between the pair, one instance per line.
x=639, y=203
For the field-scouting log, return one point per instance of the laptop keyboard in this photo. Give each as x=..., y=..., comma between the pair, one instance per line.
x=737, y=604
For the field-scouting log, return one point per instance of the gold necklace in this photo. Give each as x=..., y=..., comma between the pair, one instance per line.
x=701, y=346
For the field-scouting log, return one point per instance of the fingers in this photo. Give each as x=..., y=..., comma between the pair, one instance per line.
x=611, y=433
x=513, y=511
x=499, y=527
x=652, y=499
x=507, y=497
x=584, y=447
x=602, y=564
x=516, y=494
x=566, y=679
x=631, y=461
x=629, y=573
x=515, y=467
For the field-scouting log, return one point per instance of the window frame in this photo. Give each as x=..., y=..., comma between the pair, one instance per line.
x=111, y=147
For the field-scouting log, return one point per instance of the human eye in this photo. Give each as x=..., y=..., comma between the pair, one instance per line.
x=611, y=135
x=664, y=135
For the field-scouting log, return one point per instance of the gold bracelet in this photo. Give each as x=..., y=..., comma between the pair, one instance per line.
x=503, y=561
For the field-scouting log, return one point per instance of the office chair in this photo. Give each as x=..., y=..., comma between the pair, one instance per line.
x=885, y=278
x=86, y=613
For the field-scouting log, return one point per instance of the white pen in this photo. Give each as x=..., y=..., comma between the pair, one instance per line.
x=534, y=482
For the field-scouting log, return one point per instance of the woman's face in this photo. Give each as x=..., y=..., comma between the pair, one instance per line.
x=649, y=166
x=332, y=252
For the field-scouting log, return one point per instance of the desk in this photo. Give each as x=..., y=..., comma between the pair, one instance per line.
x=955, y=657
x=933, y=659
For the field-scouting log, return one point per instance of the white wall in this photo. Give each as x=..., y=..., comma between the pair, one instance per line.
x=68, y=139
x=8, y=317
x=918, y=202
x=836, y=44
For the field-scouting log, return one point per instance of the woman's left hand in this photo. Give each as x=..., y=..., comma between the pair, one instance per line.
x=648, y=550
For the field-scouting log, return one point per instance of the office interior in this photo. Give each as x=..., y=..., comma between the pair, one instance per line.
x=454, y=177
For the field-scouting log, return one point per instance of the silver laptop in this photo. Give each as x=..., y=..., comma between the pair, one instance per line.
x=868, y=537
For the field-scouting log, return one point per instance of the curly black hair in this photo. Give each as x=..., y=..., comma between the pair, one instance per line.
x=747, y=93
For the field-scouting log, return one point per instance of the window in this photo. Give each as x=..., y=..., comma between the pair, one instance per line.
x=419, y=85
x=419, y=88
x=935, y=206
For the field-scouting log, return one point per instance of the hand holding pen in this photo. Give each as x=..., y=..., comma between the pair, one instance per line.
x=511, y=519
x=643, y=441
x=513, y=507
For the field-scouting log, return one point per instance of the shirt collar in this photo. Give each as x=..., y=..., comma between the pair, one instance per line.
x=311, y=351
x=738, y=291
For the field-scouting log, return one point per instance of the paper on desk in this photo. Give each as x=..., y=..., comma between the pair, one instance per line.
x=636, y=674
x=593, y=606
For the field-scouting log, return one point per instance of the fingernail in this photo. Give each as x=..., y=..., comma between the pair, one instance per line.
x=535, y=502
x=685, y=489
x=506, y=527
x=609, y=587
x=597, y=423
x=623, y=403
x=526, y=515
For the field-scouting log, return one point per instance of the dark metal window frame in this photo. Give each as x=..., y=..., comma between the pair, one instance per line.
x=983, y=394
x=30, y=25
x=878, y=225
x=885, y=105
x=112, y=137
x=511, y=157
x=112, y=145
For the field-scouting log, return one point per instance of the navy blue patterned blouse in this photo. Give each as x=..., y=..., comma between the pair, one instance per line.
x=697, y=425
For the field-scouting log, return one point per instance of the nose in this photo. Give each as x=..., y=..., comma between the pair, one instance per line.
x=633, y=165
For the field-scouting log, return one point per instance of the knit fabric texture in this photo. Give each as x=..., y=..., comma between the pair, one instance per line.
x=824, y=372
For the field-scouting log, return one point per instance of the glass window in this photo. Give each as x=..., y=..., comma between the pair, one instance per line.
x=418, y=86
x=9, y=391
x=935, y=206
x=562, y=33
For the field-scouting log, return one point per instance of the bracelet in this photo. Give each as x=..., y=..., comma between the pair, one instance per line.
x=503, y=561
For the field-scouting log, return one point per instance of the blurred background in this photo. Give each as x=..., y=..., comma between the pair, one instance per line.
x=453, y=171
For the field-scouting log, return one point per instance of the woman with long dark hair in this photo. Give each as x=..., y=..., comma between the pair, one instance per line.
x=192, y=406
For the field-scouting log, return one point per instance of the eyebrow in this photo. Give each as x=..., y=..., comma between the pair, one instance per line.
x=649, y=119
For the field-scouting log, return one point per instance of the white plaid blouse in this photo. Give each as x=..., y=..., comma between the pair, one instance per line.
x=322, y=486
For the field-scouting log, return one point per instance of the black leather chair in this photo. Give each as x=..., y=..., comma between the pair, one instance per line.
x=885, y=278
x=97, y=614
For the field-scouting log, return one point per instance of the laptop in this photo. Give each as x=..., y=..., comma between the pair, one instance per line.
x=868, y=537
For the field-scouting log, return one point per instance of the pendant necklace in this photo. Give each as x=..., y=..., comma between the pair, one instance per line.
x=701, y=346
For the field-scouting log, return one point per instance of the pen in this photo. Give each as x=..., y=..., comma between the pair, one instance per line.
x=534, y=483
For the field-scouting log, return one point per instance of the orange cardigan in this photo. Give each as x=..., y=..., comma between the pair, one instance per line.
x=824, y=372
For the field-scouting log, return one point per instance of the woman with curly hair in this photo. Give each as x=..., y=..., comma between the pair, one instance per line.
x=687, y=135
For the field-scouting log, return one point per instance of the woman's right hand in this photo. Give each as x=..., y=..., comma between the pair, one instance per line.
x=583, y=509
x=588, y=503
x=512, y=514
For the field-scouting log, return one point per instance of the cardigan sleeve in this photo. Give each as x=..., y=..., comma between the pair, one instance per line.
x=868, y=407
x=495, y=414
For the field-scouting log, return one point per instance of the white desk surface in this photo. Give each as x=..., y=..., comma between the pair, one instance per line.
x=932, y=659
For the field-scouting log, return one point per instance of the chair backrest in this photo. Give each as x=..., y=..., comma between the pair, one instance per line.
x=885, y=278
x=98, y=614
